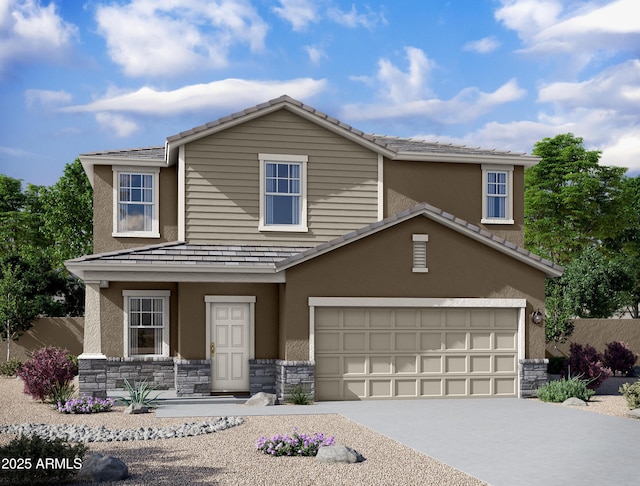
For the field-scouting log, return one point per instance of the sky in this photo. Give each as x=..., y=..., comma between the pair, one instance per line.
x=84, y=76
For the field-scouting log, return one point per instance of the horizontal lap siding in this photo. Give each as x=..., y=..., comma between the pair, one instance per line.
x=222, y=177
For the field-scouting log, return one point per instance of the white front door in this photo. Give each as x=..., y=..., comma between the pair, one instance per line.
x=230, y=346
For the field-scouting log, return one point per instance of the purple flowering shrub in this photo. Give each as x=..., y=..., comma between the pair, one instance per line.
x=85, y=405
x=586, y=363
x=49, y=367
x=295, y=444
x=620, y=358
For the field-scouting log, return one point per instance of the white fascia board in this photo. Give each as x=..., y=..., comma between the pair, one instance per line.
x=415, y=302
x=88, y=161
x=523, y=160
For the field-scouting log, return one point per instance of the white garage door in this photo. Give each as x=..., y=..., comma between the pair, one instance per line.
x=365, y=352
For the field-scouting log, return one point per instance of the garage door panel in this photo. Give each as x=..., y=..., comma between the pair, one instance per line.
x=480, y=364
x=406, y=364
x=411, y=352
x=456, y=340
x=355, y=365
x=381, y=364
x=431, y=341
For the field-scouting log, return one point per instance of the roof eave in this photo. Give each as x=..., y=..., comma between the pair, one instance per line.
x=523, y=160
x=88, y=162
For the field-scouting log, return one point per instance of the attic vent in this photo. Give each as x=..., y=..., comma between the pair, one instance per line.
x=420, y=253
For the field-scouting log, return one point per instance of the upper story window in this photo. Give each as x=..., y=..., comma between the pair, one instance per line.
x=135, y=198
x=497, y=194
x=283, y=192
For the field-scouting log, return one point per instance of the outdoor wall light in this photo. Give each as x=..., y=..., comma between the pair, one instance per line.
x=536, y=316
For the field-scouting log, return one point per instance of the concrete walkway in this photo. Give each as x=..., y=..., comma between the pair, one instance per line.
x=500, y=441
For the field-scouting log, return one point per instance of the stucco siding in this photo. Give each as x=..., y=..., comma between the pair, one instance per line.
x=223, y=187
x=103, y=211
x=381, y=266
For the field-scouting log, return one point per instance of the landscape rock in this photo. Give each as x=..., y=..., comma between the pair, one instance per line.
x=136, y=408
x=635, y=413
x=574, y=402
x=100, y=468
x=261, y=399
x=338, y=453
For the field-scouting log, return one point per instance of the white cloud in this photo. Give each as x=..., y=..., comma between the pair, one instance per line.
x=45, y=98
x=166, y=38
x=227, y=95
x=407, y=94
x=120, y=125
x=30, y=31
x=299, y=13
x=584, y=30
x=353, y=18
x=316, y=54
x=482, y=46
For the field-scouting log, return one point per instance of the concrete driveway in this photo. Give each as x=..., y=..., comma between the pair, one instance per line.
x=500, y=441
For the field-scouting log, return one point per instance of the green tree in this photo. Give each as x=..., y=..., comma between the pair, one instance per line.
x=558, y=324
x=595, y=285
x=67, y=209
x=571, y=201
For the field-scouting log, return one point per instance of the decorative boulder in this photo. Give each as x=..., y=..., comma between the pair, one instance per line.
x=574, y=402
x=136, y=408
x=338, y=453
x=635, y=413
x=261, y=399
x=100, y=468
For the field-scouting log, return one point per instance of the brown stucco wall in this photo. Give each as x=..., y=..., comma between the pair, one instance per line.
x=103, y=211
x=192, y=319
x=61, y=332
x=380, y=266
x=455, y=188
x=599, y=332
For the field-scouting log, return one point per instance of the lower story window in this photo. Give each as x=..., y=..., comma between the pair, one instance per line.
x=146, y=323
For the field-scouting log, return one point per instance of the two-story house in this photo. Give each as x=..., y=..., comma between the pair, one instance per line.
x=279, y=245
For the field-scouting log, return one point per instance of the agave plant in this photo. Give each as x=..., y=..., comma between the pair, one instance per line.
x=139, y=394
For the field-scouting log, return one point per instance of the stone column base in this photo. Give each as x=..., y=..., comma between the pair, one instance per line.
x=533, y=373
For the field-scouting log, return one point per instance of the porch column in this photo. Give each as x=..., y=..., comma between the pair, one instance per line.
x=92, y=347
x=92, y=364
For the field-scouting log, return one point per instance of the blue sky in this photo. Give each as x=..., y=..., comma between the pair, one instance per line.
x=82, y=76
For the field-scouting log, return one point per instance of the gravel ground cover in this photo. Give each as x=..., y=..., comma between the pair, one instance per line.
x=229, y=457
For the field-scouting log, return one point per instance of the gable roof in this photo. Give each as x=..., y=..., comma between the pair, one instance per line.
x=180, y=257
x=394, y=148
x=438, y=215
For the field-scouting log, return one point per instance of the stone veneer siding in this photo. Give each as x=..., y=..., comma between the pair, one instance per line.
x=187, y=377
x=533, y=373
x=278, y=376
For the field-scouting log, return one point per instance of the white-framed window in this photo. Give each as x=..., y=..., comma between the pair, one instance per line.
x=283, y=192
x=135, y=202
x=146, y=322
x=420, y=253
x=497, y=194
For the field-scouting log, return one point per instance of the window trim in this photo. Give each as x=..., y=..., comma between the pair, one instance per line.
x=165, y=295
x=284, y=158
x=155, y=218
x=504, y=169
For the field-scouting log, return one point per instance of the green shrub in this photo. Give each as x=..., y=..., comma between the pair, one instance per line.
x=33, y=460
x=299, y=395
x=631, y=393
x=139, y=394
x=11, y=367
x=558, y=391
x=61, y=393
